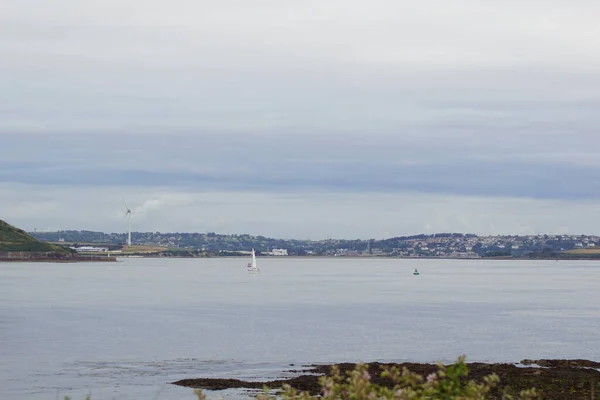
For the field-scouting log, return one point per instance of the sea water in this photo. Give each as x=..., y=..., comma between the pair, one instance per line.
x=126, y=330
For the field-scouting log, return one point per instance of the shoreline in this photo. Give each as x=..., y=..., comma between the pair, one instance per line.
x=379, y=257
x=58, y=261
x=554, y=379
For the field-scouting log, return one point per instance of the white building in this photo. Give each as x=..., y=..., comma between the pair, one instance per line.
x=279, y=252
x=90, y=249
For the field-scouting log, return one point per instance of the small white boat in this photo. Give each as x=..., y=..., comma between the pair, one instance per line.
x=252, y=268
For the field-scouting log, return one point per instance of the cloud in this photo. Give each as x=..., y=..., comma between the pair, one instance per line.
x=285, y=66
x=544, y=167
x=315, y=215
x=488, y=101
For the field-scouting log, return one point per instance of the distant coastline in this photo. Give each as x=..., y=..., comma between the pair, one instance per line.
x=434, y=246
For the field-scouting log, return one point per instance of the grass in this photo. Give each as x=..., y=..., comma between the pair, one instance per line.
x=137, y=249
x=589, y=250
x=13, y=239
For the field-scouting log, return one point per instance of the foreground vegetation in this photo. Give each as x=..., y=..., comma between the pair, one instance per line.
x=542, y=380
x=448, y=383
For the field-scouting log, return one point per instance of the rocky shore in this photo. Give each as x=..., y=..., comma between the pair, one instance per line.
x=37, y=256
x=554, y=379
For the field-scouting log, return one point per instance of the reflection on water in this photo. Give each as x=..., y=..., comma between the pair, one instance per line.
x=125, y=330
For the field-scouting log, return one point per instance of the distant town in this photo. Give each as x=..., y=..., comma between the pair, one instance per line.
x=441, y=245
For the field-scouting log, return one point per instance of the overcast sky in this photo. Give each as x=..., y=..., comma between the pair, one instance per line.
x=306, y=119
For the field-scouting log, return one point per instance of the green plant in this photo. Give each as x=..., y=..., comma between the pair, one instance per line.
x=448, y=383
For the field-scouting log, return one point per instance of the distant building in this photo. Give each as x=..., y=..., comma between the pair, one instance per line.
x=458, y=254
x=90, y=249
x=279, y=252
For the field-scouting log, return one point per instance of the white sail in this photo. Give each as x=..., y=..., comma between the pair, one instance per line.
x=252, y=268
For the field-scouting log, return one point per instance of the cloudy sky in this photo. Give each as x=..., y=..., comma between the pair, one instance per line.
x=306, y=119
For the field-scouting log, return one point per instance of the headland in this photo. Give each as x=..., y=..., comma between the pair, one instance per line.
x=16, y=245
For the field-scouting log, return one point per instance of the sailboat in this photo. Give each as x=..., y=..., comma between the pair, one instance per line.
x=252, y=268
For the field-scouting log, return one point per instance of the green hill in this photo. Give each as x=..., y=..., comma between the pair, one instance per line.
x=13, y=239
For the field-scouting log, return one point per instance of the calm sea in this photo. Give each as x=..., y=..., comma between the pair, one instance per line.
x=124, y=330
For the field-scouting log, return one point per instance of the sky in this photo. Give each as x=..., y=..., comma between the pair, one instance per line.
x=309, y=120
